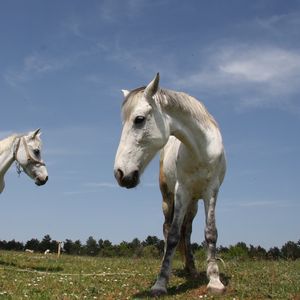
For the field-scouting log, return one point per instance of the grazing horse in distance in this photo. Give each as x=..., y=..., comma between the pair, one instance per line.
x=192, y=167
x=26, y=151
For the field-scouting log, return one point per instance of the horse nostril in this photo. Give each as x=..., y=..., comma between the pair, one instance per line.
x=119, y=175
x=46, y=178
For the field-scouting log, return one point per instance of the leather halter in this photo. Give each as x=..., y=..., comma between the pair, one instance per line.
x=30, y=158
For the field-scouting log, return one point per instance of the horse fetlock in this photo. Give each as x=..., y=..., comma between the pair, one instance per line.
x=212, y=269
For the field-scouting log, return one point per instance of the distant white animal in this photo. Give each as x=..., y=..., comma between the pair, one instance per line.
x=26, y=151
x=192, y=167
x=47, y=251
x=29, y=251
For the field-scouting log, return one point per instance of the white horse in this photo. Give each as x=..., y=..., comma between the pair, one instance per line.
x=26, y=151
x=192, y=167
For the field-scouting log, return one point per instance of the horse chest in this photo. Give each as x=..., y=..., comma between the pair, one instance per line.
x=197, y=180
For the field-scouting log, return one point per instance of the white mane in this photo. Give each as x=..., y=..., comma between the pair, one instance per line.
x=7, y=142
x=171, y=100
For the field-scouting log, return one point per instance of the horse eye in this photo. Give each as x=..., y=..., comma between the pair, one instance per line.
x=37, y=152
x=139, y=120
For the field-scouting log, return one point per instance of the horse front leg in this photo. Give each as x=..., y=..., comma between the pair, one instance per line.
x=180, y=207
x=211, y=235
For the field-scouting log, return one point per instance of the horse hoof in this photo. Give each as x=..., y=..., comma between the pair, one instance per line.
x=157, y=292
x=216, y=289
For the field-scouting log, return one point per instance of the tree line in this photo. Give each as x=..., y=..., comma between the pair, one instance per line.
x=152, y=247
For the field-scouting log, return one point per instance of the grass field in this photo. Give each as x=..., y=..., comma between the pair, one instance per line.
x=37, y=276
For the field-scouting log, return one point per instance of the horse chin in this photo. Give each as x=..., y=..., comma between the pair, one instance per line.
x=132, y=185
x=134, y=182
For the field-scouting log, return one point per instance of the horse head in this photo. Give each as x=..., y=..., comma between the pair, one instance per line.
x=28, y=155
x=145, y=131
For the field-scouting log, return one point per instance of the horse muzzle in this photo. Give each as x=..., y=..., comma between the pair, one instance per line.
x=128, y=181
x=39, y=181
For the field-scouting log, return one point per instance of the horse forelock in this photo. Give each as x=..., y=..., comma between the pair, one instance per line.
x=131, y=101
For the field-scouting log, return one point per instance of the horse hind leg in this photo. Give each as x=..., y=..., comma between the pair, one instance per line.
x=215, y=285
x=167, y=204
x=167, y=198
x=185, y=246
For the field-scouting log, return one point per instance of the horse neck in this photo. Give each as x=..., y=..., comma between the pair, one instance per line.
x=194, y=127
x=7, y=155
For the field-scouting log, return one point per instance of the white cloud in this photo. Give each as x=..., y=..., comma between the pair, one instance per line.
x=37, y=64
x=34, y=65
x=256, y=75
x=280, y=25
x=261, y=65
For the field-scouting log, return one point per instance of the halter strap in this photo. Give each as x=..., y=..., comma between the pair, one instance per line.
x=17, y=146
x=30, y=158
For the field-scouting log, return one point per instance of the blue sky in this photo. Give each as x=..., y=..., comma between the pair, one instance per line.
x=63, y=64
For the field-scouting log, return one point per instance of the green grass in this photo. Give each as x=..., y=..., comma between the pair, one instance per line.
x=36, y=276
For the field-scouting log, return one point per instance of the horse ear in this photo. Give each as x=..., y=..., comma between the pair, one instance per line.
x=125, y=93
x=36, y=133
x=152, y=87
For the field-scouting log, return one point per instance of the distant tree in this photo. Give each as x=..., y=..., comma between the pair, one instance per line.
x=238, y=251
x=257, y=252
x=68, y=246
x=92, y=247
x=33, y=244
x=136, y=248
x=274, y=253
x=135, y=243
x=291, y=250
x=45, y=243
x=77, y=248
x=13, y=245
x=107, y=249
x=223, y=250
x=100, y=244
x=53, y=246
x=124, y=249
x=156, y=242
x=3, y=245
x=151, y=240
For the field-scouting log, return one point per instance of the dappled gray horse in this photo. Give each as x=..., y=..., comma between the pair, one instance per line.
x=192, y=167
